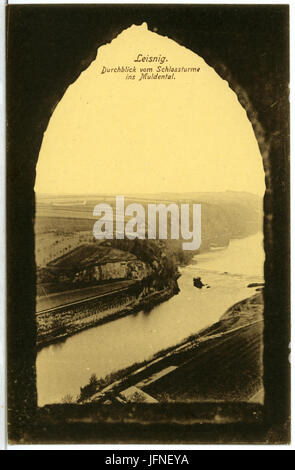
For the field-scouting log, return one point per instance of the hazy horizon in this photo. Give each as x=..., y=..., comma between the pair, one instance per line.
x=38, y=194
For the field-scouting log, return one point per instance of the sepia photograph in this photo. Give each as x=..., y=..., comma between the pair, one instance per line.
x=148, y=224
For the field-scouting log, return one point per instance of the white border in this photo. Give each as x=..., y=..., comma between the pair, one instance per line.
x=111, y=447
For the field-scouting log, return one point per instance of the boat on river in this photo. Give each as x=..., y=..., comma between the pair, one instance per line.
x=198, y=283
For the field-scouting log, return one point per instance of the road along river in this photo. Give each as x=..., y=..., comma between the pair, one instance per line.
x=62, y=368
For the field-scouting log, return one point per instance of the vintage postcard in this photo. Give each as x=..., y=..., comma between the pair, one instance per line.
x=148, y=224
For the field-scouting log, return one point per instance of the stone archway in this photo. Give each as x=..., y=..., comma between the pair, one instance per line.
x=38, y=75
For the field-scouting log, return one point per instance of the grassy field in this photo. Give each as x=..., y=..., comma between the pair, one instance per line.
x=64, y=298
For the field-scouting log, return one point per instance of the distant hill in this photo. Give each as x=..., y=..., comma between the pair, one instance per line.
x=65, y=222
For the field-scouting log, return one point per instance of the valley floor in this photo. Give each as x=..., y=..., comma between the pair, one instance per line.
x=221, y=363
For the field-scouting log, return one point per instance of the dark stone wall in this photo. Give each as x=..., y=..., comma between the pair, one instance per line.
x=47, y=48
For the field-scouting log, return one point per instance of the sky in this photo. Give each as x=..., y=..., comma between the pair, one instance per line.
x=114, y=135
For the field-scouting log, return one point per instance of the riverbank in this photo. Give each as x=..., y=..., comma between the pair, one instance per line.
x=57, y=325
x=207, y=364
x=63, y=367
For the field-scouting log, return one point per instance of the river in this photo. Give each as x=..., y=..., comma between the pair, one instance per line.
x=62, y=368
